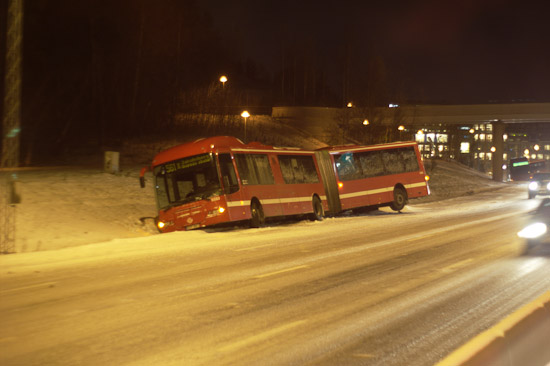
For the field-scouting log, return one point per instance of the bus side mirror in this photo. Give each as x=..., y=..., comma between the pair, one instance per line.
x=142, y=182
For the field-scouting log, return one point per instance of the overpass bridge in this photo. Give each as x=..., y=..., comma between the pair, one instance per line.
x=480, y=135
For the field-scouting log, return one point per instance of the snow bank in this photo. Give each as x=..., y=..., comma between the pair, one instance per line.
x=64, y=207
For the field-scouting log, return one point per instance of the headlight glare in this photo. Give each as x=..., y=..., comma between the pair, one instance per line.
x=533, y=231
x=533, y=186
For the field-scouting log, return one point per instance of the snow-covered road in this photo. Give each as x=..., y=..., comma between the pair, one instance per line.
x=375, y=289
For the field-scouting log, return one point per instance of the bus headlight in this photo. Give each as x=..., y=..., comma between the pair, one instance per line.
x=161, y=224
x=216, y=212
x=533, y=231
x=533, y=186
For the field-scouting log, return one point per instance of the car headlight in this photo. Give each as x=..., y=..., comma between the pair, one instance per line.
x=533, y=231
x=533, y=186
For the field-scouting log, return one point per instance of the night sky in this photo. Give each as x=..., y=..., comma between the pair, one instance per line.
x=110, y=69
x=468, y=51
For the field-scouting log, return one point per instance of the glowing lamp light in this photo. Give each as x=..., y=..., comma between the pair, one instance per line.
x=223, y=79
x=536, y=147
x=245, y=114
x=419, y=132
x=340, y=184
x=350, y=104
x=366, y=122
x=160, y=224
x=472, y=130
x=426, y=178
x=221, y=210
x=401, y=128
x=493, y=149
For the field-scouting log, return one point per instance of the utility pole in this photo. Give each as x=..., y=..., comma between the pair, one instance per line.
x=11, y=123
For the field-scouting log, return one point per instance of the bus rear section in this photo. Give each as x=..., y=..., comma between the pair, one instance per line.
x=373, y=176
x=218, y=180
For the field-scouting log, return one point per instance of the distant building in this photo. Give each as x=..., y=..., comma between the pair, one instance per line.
x=471, y=134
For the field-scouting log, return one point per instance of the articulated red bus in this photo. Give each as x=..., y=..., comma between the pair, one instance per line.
x=220, y=179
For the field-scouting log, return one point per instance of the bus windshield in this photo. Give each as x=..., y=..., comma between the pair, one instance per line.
x=185, y=180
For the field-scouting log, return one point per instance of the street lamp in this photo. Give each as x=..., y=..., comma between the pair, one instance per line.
x=366, y=122
x=245, y=115
x=223, y=80
x=401, y=128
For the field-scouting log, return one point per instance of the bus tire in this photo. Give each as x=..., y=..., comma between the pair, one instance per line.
x=257, y=214
x=318, y=212
x=399, y=199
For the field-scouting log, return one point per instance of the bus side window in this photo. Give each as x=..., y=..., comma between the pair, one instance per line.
x=298, y=169
x=371, y=162
x=409, y=159
x=254, y=169
x=229, y=178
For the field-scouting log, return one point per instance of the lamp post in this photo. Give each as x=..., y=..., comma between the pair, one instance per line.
x=245, y=115
x=223, y=80
x=401, y=128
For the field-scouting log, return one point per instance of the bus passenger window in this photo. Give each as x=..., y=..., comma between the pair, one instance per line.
x=392, y=161
x=409, y=159
x=254, y=169
x=298, y=169
x=229, y=177
x=347, y=167
x=371, y=162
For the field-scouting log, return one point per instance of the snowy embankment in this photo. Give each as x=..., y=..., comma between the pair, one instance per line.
x=65, y=207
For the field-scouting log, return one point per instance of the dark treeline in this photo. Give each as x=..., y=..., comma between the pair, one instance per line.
x=98, y=71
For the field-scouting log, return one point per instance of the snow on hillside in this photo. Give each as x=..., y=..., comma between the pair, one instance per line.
x=69, y=206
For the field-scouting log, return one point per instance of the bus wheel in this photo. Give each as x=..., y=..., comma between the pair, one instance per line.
x=399, y=199
x=258, y=218
x=318, y=212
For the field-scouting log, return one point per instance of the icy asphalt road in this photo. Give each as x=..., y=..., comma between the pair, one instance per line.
x=375, y=289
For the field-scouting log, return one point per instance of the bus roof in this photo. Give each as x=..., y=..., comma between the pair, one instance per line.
x=209, y=144
x=347, y=148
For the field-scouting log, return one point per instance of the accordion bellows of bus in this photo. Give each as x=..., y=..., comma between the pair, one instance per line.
x=220, y=179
